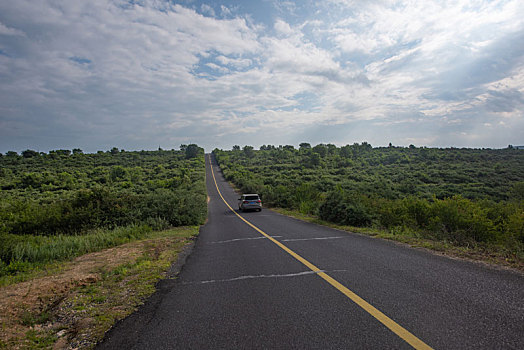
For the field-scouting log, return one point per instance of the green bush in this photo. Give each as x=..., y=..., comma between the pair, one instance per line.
x=418, y=211
x=176, y=208
x=461, y=220
x=515, y=227
x=411, y=212
x=306, y=198
x=342, y=209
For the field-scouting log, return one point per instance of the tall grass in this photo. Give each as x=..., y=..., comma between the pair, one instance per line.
x=19, y=253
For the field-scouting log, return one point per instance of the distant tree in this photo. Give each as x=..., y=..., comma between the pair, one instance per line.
x=236, y=148
x=304, y=145
x=77, y=151
x=192, y=151
x=412, y=146
x=321, y=149
x=517, y=191
x=366, y=146
x=332, y=149
x=248, y=151
x=289, y=147
x=33, y=180
x=11, y=154
x=346, y=151
x=60, y=153
x=118, y=173
x=114, y=150
x=314, y=159
x=28, y=153
x=53, y=154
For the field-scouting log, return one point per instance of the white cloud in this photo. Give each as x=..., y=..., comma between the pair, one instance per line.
x=4, y=30
x=114, y=68
x=217, y=68
x=208, y=10
x=283, y=27
x=225, y=11
x=235, y=62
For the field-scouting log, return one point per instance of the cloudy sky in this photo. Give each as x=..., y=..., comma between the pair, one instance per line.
x=148, y=73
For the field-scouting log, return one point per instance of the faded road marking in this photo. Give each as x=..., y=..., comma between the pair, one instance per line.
x=240, y=239
x=248, y=277
x=310, y=239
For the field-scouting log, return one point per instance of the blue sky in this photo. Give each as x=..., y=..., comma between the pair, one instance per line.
x=149, y=73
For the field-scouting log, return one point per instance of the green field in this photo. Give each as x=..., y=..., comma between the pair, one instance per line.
x=61, y=204
x=462, y=196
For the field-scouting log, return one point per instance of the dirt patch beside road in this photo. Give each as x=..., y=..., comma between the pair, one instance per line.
x=72, y=308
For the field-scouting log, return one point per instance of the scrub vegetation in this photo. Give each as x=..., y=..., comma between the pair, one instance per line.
x=66, y=203
x=463, y=197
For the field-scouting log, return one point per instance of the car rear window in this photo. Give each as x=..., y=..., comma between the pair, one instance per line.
x=251, y=198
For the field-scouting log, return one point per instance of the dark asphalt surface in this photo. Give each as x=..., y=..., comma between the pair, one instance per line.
x=238, y=290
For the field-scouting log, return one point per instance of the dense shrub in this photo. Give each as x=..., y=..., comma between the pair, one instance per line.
x=176, y=208
x=124, y=188
x=411, y=212
x=459, y=195
x=461, y=220
x=343, y=209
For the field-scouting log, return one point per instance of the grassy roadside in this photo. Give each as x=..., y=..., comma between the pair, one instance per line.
x=73, y=304
x=489, y=254
x=33, y=255
x=481, y=253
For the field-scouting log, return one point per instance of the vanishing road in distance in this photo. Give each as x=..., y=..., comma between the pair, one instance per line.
x=265, y=281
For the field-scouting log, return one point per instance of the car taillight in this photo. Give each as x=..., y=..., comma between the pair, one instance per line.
x=245, y=202
x=259, y=201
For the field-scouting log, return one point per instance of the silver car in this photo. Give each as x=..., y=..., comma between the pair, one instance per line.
x=249, y=201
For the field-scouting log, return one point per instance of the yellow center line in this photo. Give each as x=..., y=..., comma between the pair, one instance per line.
x=381, y=317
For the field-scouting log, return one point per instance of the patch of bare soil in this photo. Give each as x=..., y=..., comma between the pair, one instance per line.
x=24, y=306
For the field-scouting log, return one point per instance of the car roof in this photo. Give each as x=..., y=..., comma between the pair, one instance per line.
x=250, y=194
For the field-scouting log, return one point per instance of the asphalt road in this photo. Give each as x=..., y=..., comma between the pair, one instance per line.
x=240, y=290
